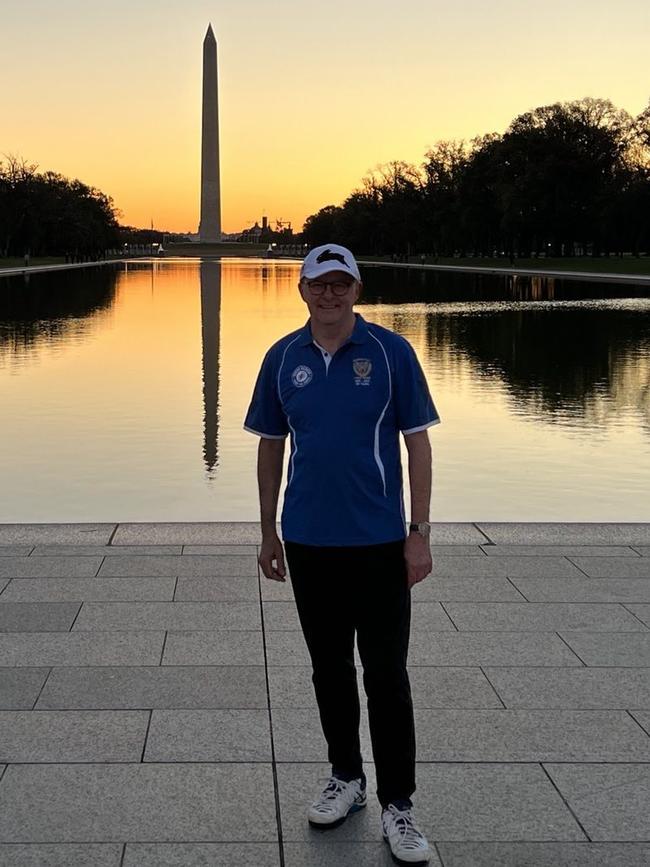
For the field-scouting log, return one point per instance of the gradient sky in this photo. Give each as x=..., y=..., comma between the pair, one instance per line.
x=312, y=95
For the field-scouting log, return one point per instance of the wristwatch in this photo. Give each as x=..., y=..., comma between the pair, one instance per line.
x=423, y=528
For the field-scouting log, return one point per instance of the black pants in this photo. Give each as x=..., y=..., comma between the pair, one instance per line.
x=340, y=591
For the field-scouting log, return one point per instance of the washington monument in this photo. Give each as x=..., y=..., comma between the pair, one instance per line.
x=210, y=225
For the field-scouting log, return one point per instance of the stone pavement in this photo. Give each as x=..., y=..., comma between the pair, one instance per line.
x=157, y=707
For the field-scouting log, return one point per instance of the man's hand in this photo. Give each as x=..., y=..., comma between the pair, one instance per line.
x=418, y=558
x=271, y=558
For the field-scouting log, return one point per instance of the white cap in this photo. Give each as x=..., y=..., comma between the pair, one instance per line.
x=326, y=258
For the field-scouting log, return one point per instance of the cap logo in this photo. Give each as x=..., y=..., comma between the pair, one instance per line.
x=328, y=256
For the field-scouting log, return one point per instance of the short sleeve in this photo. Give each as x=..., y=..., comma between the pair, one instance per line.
x=265, y=416
x=414, y=407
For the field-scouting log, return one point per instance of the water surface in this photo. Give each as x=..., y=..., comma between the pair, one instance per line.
x=123, y=390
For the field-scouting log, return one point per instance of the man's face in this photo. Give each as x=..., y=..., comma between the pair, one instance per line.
x=330, y=297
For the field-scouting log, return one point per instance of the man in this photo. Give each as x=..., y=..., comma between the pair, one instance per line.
x=343, y=389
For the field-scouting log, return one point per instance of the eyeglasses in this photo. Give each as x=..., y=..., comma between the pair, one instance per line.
x=338, y=287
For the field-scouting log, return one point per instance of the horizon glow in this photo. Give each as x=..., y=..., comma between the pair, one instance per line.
x=311, y=99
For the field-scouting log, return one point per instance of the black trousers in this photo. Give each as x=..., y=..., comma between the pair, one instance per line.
x=340, y=592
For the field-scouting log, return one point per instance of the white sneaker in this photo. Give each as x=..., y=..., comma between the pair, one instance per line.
x=337, y=800
x=407, y=843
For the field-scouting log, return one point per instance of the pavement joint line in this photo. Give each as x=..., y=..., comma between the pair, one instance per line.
x=162, y=649
x=586, y=574
x=630, y=712
x=74, y=620
x=112, y=536
x=483, y=533
x=442, y=605
x=40, y=692
x=625, y=604
x=274, y=771
x=146, y=737
x=521, y=593
x=494, y=690
x=577, y=655
x=564, y=800
x=123, y=855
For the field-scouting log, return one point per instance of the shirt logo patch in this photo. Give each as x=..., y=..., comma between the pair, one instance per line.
x=361, y=368
x=302, y=376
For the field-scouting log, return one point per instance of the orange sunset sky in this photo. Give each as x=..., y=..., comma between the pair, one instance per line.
x=312, y=95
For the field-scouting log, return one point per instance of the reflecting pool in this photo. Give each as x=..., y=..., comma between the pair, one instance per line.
x=123, y=389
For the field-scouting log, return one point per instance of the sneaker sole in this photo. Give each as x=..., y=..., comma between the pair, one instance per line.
x=327, y=826
x=401, y=861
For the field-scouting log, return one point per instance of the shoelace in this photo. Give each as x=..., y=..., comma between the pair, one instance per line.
x=331, y=792
x=411, y=836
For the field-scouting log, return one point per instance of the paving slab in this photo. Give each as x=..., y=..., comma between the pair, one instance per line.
x=425, y=615
x=89, y=590
x=451, y=648
x=218, y=588
x=529, y=736
x=214, y=647
x=72, y=736
x=60, y=534
x=506, y=567
x=611, y=801
x=37, y=616
x=20, y=687
x=155, y=802
x=221, y=533
x=144, y=687
x=543, y=616
x=485, y=854
x=15, y=550
x=520, y=533
x=209, y=736
x=597, y=688
x=603, y=649
x=105, y=550
x=271, y=590
x=440, y=550
x=221, y=550
x=95, y=616
x=61, y=854
x=584, y=589
x=453, y=802
x=187, y=566
x=202, y=855
x=81, y=648
x=291, y=687
x=49, y=567
x=614, y=567
x=322, y=853
x=450, y=533
x=559, y=551
x=461, y=589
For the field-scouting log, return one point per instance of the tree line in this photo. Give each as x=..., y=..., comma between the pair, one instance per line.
x=46, y=214
x=566, y=179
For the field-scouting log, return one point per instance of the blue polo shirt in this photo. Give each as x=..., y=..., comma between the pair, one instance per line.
x=343, y=414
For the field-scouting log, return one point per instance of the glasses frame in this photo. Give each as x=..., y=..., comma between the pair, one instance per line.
x=339, y=288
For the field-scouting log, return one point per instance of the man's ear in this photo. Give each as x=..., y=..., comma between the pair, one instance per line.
x=359, y=290
x=301, y=290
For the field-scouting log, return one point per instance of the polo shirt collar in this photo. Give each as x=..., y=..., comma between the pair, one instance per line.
x=359, y=334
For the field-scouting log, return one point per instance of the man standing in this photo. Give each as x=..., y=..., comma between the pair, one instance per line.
x=343, y=389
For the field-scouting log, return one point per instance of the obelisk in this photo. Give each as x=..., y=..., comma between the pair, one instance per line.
x=210, y=225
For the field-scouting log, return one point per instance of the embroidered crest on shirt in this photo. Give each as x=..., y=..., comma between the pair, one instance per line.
x=361, y=368
x=302, y=376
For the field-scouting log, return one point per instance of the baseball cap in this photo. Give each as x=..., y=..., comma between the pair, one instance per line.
x=326, y=258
